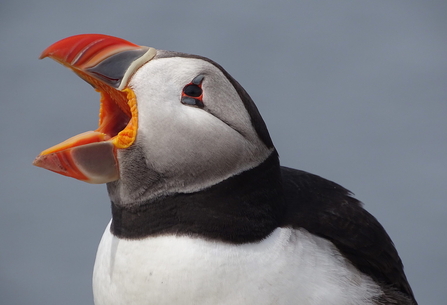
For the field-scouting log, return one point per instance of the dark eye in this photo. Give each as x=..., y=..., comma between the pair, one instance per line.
x=192, y=90
x=192, y=93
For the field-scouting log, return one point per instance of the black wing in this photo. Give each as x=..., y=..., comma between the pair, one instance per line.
x=326, y=209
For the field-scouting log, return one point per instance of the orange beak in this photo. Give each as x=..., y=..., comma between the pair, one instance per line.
x=107, y=63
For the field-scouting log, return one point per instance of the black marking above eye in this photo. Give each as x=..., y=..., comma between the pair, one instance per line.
x=192, y=90
x=198, y=79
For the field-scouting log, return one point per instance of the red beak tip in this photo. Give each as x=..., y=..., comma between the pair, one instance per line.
x=36, y=160
x=39, y=161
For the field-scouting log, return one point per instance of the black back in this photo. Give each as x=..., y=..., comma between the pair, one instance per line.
x=326, y=209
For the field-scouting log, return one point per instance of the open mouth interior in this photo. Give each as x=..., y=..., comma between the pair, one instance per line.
x=117, y=119
x=117, y=113
x=91, y=156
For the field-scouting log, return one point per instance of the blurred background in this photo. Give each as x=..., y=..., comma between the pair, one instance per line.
x=354, y=91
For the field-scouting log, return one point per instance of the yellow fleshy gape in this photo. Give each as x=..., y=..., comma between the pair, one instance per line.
x=127, y=136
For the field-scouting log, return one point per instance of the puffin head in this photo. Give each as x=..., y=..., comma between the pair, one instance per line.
x=169, y=122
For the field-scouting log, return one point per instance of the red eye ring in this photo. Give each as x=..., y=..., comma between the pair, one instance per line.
x=192, y=93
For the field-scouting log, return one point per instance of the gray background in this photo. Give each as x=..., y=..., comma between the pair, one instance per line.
x=354, y=91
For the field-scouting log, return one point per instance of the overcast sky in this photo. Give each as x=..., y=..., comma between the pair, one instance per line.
x=354, y=91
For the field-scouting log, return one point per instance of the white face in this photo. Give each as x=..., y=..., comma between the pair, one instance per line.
x=186, y=148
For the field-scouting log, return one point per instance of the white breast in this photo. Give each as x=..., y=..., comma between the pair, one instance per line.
x=288, y=267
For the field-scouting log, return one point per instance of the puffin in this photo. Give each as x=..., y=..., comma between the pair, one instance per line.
x=202, y=210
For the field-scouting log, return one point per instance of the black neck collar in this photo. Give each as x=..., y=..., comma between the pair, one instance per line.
x=240, y=209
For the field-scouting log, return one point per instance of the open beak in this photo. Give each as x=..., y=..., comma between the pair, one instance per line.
x=107, y=63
